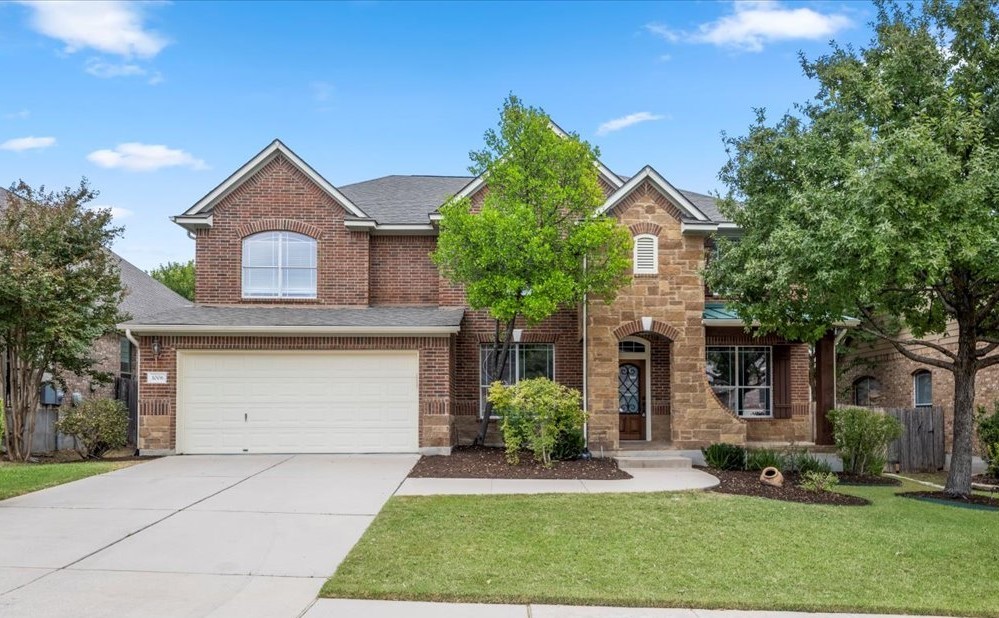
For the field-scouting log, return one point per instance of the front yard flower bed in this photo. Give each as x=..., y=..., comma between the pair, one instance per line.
x=483, y=462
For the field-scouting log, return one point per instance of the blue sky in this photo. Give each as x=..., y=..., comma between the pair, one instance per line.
x=156, y=103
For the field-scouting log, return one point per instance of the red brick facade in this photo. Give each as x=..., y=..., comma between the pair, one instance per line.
x=361, y=268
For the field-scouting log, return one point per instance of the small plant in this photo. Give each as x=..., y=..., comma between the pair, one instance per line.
x=862, y=437
x=988, y=437
x=798, y=460
x=535, y=413
x=762, y=458
x=722, y=456
x=99, y=425
x=818, y=481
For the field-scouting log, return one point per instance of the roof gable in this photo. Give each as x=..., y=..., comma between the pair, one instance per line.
x=686, y=207
x=203, y=208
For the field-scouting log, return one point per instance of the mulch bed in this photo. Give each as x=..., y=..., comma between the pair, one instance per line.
x=985, y=479
x=845, y=478
x=748, y=484
x=483, y=462
x=972, y=501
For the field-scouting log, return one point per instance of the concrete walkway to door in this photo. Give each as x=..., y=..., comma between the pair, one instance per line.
x=240, y=535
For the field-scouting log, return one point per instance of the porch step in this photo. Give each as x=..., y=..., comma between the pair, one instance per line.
x=651, y=459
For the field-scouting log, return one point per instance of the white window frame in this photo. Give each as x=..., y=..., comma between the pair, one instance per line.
x=280, y=237
x=738, y=386
x=915, y=388
x=514, y=359
x=655, y=254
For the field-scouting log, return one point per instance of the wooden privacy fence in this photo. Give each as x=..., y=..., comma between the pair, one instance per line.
x=921, y=447
x=126, y=390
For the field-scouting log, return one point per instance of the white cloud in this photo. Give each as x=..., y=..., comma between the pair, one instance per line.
x=18, y=115
x=626, y=121
x=108, y=26
x=19, y=144
x=116, y=211
x=753, y=24
x=137, y=157
x=106, y=70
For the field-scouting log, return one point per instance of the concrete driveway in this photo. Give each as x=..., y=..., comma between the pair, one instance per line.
x=240, y=535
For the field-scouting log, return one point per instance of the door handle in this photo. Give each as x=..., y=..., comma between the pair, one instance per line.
x=246, y=417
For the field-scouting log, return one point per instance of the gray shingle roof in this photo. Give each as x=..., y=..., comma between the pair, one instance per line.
x=706, y=204
x=411, y=199
x=145, y=296
x=403, y=199
x=362, y=317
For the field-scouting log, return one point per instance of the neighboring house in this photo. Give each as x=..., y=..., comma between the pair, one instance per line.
x=144, y=296
x=321, y=325
x=876, y=375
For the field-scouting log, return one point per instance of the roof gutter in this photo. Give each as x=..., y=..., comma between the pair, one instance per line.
x=372, y=331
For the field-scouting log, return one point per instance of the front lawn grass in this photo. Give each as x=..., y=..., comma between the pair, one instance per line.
x=706, y=550
x=18, y=478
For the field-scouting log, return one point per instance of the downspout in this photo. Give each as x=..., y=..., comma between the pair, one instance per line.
x=586, y=392
x=840, y=333
x=138, y=382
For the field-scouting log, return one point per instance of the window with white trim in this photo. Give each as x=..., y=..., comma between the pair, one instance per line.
x=741, y=377
x=646, y=254
x=922, y=388
x=525, y=361
x=866, y=391
x=279, y=265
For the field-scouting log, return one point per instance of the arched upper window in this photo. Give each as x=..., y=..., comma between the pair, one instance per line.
x=646, y=254
x=922, y=388
x=866, y=391
x=279, y=265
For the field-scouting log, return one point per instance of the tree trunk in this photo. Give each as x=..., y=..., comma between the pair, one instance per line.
x=500, y=353
x=959, y=478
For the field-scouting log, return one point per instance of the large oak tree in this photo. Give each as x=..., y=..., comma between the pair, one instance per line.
x=879, y=198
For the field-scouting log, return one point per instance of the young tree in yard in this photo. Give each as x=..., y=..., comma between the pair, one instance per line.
x=880, y=198
x=178, y=276
x=59, y=292
x=536, y=245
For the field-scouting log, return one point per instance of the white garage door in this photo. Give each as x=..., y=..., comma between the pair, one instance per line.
x=297, y=402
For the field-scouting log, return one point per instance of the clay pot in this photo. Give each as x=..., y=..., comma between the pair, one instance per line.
x=772, y=476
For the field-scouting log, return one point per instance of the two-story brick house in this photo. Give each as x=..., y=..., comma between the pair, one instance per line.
x=321, y=325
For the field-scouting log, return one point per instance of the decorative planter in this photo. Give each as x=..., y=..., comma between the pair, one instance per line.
x=772, y=476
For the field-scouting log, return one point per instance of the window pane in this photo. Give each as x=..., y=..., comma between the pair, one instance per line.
x=260, y=281
x=754, y=401
x=924, y=389
x=727, y=397
x=299, y=252
x=125, y=356
x=754, y=366
x=260, y=250
x=861, y=392
x=485, y=354
x=536, y=361
x=720, y=367
x=299, y=282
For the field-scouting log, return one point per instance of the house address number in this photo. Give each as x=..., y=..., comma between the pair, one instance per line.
x=156, y=377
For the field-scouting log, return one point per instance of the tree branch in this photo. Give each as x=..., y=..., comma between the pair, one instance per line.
x=900, y=346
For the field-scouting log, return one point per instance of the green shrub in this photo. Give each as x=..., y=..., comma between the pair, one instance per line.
x=721, y=456
x=818, y=481
x=862, y=437
x=535, y=413
x=761, y=458
x=569, y=445
x=99, y=425
x=988, y=437
x=799, y=461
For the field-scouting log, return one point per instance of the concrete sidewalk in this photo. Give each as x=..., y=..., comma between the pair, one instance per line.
x=328, y=608
x=645, y=480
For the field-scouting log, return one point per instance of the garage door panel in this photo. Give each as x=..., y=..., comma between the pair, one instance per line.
x=298, y=402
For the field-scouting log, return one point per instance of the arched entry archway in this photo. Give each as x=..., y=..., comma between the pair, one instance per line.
x=644, y=381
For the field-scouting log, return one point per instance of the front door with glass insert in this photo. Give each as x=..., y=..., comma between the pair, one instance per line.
x=631, y=399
